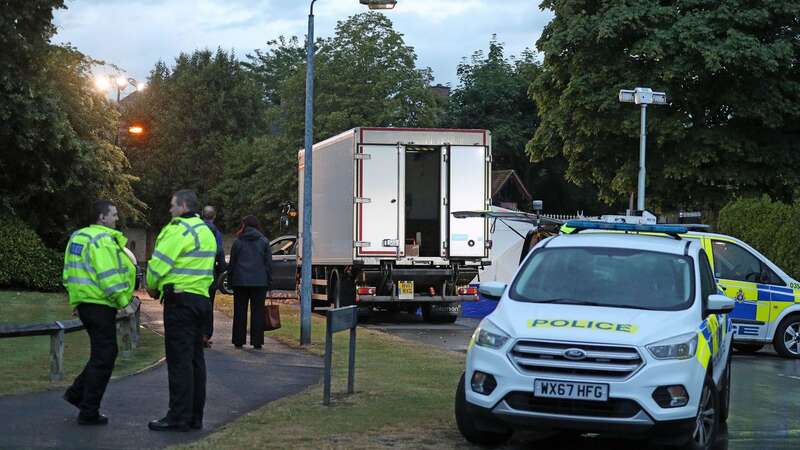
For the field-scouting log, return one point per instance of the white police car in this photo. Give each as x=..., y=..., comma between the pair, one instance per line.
x=603, y=333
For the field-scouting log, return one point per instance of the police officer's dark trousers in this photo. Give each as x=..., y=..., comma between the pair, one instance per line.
x=184, y=325
x=88, y=388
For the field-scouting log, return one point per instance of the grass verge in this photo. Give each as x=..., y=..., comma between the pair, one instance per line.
x=404, y=397
x=26, y=360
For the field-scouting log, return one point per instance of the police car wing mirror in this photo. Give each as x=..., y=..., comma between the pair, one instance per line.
x=719, y=304
x=492, y=290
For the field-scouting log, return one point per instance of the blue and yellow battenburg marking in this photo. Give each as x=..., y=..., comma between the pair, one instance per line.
x=710, y=337
x=584, y=324
x=748, y=309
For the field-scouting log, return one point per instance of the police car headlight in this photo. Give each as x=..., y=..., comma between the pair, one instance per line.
x=489, y=335
x=678, y=347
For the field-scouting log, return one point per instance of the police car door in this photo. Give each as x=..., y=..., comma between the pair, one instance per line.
x=738, y=271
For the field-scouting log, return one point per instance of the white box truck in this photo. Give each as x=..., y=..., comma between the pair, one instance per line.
x=382, y=232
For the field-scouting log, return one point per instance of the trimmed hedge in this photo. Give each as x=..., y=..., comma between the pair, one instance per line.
x=771, y=227
x=25, y=262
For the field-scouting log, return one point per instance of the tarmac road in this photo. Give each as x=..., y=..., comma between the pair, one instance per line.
x=765, y=410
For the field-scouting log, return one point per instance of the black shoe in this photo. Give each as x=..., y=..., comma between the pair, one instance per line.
x=71, y=399
x=96, y=420
x=164, y=425
x=238, y=347
x=257, y=347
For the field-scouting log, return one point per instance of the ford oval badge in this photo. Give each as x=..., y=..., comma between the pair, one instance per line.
x=574, y=354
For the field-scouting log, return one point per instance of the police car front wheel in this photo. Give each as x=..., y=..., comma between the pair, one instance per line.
x=787, y=337
x=469, y=426
x=707, y=420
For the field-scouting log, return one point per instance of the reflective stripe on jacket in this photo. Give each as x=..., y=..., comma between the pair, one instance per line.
x=96, y=268
x=184, y=256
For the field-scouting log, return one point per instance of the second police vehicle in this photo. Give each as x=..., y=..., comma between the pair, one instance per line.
x=605, y=333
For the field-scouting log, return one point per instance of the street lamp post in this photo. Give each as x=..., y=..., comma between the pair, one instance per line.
x=642, y=97
x=305, y=274
x=121, y=82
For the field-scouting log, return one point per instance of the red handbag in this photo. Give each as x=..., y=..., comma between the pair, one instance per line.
x=272, y=317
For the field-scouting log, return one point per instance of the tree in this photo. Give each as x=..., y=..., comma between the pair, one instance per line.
x=192, y=112
x=731, y=75
x=55, y=131
x=365, y=75
x=493, y=94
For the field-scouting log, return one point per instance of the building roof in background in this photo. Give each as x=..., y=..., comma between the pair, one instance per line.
x=500, y=178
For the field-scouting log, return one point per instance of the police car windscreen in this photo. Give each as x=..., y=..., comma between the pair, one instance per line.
x=606, y=277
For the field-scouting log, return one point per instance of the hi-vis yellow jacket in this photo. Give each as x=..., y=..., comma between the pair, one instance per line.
x=96, y=268
x=184, y=256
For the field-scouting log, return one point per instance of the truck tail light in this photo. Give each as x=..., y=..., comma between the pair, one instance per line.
x=366, y=291
x=468, y=291
x=432, y=291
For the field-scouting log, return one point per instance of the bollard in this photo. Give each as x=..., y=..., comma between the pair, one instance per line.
x=57, y=354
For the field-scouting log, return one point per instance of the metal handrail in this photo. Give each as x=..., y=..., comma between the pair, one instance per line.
x=127, y=324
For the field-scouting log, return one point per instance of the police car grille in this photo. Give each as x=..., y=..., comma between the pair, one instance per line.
x=614, y=407
x=605, y=361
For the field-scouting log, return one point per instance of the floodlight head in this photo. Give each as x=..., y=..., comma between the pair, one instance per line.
x=379, y=4
x=101, y=83
x=642, y=96
x=659, y=98
x=626, y=96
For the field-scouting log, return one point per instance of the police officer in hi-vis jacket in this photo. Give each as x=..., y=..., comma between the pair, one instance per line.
x=100, y=278
x=180, y=273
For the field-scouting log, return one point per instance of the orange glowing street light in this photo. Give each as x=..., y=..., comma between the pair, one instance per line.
x=136, y=130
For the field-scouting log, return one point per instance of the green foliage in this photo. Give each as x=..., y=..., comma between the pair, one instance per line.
x=56, y=154
x=191, y=112
x=260, y=175
x=493, y=94
x=730, y=73
x=769, y=226
x=365, y=75
x=25, y=262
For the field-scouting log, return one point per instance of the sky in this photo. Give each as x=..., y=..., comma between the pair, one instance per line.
x=135, y=34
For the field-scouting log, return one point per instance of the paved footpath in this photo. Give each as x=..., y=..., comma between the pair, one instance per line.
x=238, y=381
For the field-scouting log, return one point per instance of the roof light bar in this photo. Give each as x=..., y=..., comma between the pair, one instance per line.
x=579, y=225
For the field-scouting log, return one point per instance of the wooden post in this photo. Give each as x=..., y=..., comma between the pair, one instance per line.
x=124, y=329
x=134, y=324
x=57, y=354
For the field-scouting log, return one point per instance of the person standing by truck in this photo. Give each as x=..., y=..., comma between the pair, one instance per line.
x=250, y=272
x=209, y=214
x=99, y=278
x=180, y=273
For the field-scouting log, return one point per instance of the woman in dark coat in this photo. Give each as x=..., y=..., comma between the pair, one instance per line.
x=250, y=275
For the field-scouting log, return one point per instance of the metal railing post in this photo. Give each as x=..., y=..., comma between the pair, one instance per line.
x=326, y=393
x=351, y=369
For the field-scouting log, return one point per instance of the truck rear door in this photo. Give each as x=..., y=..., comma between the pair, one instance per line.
x=379, y=210
x=467, y=190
